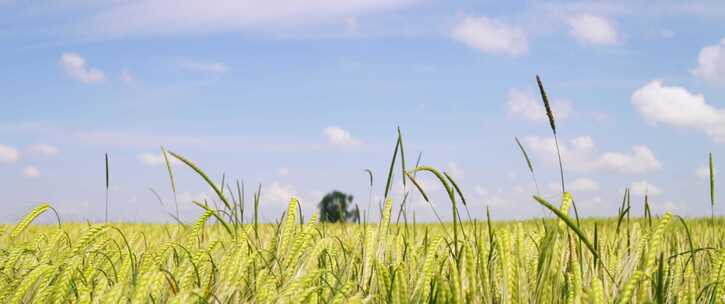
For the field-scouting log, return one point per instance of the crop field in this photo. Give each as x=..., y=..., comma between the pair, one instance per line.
x=228, y=256
x=649, y=260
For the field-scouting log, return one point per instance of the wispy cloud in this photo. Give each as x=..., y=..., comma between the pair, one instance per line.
x=8, y=154
x=278, y=193
x=126, y=77
x=582, y=185
x=43, y=149
x=351, y=26
x=523, y=104
x=340, y=137
x=455, y=171
x=711, y=63
x=644, y=187
x=592, y=29
x=156, y=159
x=171, y=17
x=578, y=185
x=205, y=67
x=133, y=139
x=76, y=68
x=146, y=140
x=491, y=36
x=491, y=198
x=31, y=172
x=704, y=172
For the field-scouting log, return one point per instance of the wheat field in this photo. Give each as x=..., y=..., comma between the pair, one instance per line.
x=663, y=259
x=228, y=256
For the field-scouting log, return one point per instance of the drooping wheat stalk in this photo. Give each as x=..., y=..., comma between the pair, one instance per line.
x=528, y=164
x=295, y=261
x=37, y=211
x=171, y=179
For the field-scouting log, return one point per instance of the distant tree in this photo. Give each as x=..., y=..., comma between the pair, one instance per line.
x=337, y=207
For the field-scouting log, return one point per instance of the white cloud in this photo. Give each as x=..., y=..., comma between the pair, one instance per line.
x=491, y=36
x=284, y=171
x=140, y=140
x=146, y=141
x=641, y=160
x=592, y=29
x=75, y=66
x=455, y=171
x=31, y=172
x=582, y=185
x=8, y=154
x=340, y=137
x=205, y=67
x=480, y=190
x=580, y=155
x=644, y=187
x=157, y=159
x=126, y=77
x=704, y=173
x=169, y=17
x=44, y=149
x=678, y=107
x=276, y=197
x=278, y=193
x=523, y=104
x=711, y=63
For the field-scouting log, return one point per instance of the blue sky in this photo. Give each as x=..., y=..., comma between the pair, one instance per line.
x=302, y=96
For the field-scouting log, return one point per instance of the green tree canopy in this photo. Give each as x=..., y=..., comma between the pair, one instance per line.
x=336, y=206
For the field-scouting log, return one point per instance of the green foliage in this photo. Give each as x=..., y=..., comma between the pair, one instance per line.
x=336, y=207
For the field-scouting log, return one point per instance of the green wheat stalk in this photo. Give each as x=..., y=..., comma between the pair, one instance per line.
x=107, y=186
x=171, y=179
x=712, y=188
x=37, y=211
x=528, y=163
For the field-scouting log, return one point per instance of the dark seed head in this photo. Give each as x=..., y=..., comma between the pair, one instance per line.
x=549, y=113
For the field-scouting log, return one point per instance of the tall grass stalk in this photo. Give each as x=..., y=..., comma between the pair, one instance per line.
x=552, y=124
x=574, y=227
x=171, y=179
x=712, y=188
x=389, y=181
x=222, y=259
x=370, y=191
x=528, y=164
x=107, y=185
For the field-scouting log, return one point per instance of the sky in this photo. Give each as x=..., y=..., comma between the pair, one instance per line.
x=300, y=97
